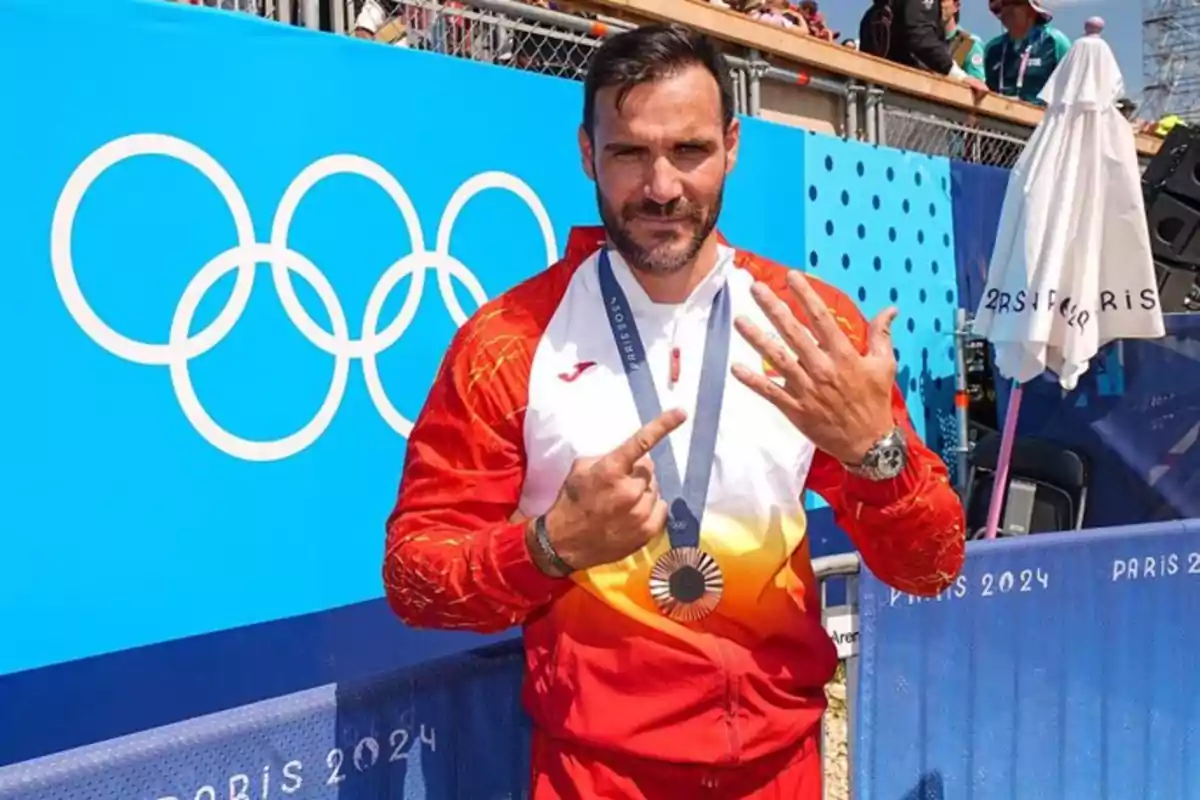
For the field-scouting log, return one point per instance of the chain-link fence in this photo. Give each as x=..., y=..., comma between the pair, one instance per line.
x=504, y=33
x=941, y=134
x=261, y=8
x=524, y=36
x=534, y=37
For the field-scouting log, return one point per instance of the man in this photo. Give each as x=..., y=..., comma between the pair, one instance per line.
x=542, y=472
x=1019, y=61
x=381, y=20
x=966, y=49
x=912, y=32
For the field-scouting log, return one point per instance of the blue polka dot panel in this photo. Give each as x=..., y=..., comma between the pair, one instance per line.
x=879, y=226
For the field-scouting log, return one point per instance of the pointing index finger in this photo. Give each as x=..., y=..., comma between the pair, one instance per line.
x=647, y=437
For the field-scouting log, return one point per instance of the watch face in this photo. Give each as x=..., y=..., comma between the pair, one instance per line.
x=891, y=461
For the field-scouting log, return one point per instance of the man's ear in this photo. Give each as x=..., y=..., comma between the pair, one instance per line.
x=587, y=153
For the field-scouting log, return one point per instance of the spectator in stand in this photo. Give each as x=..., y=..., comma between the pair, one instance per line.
x=777, y=13
x=965, y=47
x=1020, y=61
x=379, y=20
x=911, y=32
x=816, y=20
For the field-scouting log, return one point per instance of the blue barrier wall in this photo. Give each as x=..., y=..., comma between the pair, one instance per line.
x=1058, y=667
x=444, y=731
x=199, y=459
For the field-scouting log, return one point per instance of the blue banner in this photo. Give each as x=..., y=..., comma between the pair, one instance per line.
x=978, y=193
x=1058, y=666
x=444, y=731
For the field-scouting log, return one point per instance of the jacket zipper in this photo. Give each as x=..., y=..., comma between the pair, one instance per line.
x=732, y=701
x=732, y=704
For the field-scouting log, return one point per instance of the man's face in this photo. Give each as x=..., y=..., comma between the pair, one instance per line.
x=949, y=9
x=1012, y=12
x=659, y=165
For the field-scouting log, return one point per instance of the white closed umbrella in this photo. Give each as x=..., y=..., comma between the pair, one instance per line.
x=1072, y=268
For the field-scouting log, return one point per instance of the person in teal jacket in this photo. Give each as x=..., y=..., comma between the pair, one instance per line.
x=965, y=47
x=1020, y=61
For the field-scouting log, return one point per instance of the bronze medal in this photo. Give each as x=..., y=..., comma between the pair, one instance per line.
x=686, y=584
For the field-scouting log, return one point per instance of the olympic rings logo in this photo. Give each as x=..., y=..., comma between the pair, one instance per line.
x=182, y=346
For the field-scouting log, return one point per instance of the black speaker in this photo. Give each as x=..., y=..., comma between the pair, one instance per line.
x=1173, y=225
x=1177, y=287
x=1184, y=181
x=1181, y=145
x=1171, y=189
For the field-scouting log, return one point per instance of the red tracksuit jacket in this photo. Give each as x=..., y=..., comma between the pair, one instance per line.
x=533, y=382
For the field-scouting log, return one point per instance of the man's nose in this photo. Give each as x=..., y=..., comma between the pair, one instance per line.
x=662, y=182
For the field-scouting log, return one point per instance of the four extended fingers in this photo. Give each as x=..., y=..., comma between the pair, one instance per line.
x=824, y=326
x=804, y=349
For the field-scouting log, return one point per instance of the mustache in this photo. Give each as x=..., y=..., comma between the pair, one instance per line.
x=674, y=211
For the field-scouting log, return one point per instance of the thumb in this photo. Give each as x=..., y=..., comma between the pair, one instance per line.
x=879, y=334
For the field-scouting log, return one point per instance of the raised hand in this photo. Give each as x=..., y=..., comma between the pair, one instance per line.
x=609, y=507
x=839, y=398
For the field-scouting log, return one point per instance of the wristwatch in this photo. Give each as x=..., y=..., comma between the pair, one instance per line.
x=885, y=460
x=561, y=568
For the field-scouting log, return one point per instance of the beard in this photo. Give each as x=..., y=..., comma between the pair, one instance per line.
x=669, y=252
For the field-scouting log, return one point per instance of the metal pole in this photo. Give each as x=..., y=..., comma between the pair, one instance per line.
x=754, y=80
x=962, y=337
x=851, y=687
x=874, y=114
x=804, y=81
x=872, y=100
x=881, y=123
x=852, y=111
x=310, y=14
x=339, y=16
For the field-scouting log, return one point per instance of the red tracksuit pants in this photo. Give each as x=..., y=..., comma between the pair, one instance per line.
x=568, y=771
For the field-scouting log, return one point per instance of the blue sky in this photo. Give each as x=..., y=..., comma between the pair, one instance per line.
x=1123, y=29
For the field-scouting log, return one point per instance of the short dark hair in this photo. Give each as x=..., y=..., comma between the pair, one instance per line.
x=651, y=53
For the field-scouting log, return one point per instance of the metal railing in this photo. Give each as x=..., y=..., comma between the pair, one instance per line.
x=496, y=32
x=298, y=12
x=841, y=621
x=529, y=37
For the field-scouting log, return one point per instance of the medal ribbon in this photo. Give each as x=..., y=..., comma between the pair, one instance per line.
x=687, y=500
